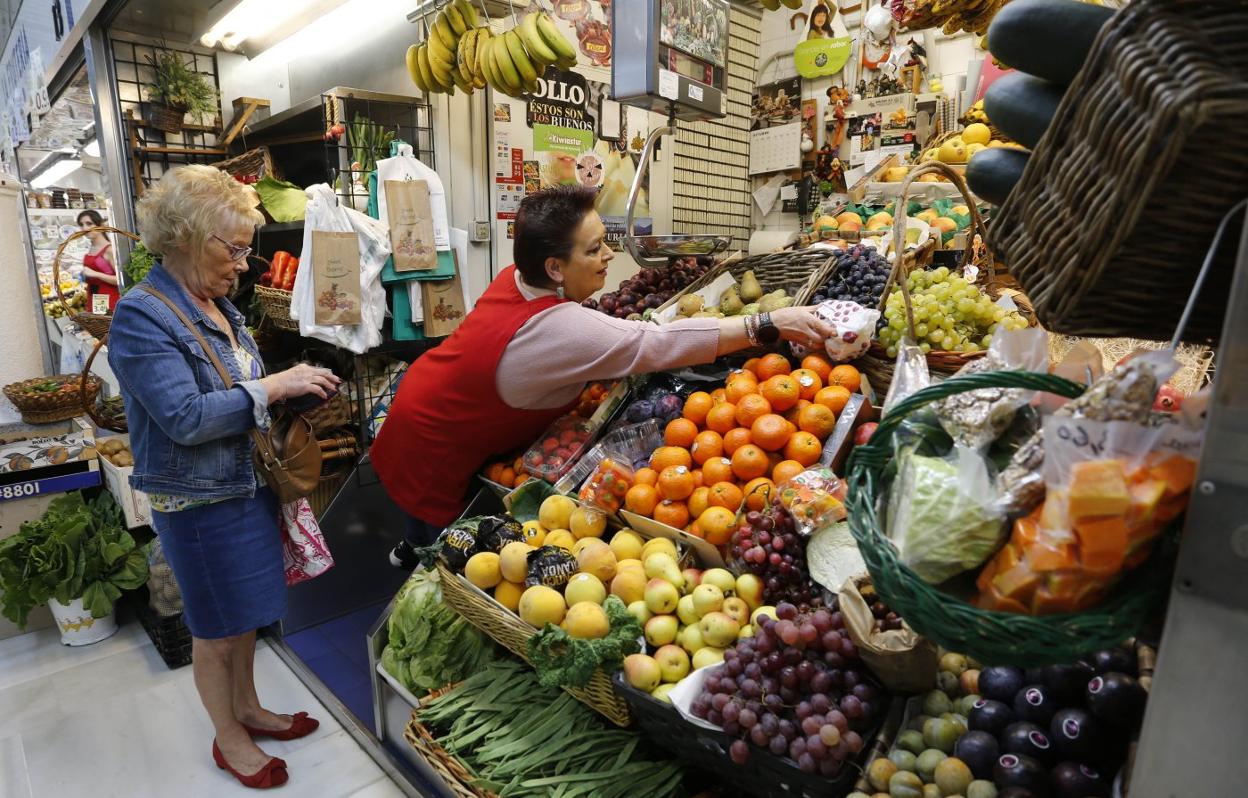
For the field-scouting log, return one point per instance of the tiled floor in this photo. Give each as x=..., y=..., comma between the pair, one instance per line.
x=111, y=720
x=337, y=652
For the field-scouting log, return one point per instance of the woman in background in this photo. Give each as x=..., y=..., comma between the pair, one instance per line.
x=99, y=270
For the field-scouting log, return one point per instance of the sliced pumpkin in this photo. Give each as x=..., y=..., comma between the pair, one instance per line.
x=1098, y=487
x=1177, y=472
x=1045, y=602
x=1145, y=496
x=1017, y=583
x=991, y=599
x=1045, y=557
x=1102, y=545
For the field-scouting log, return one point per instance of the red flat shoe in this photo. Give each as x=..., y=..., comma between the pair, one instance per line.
x=273, y=774
x=300, y=726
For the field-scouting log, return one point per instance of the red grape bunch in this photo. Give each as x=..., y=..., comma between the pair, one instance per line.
x=767, y=545
x=796, y=689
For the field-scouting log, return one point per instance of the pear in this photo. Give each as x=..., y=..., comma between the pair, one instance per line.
x=751, y=291
x=663, y=566
x=689, y=304
x=731, y=304
x=750, y=310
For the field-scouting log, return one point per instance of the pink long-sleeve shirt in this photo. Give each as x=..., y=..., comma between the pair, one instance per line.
x=553, y=355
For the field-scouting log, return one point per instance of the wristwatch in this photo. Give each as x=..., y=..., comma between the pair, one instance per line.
x=766, y=332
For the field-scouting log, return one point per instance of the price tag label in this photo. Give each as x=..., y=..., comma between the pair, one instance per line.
x=695, y=92
x=669, y=85
x=99, y=304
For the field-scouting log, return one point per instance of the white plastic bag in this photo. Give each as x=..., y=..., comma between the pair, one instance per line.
x=326, y=215
x=404, y=166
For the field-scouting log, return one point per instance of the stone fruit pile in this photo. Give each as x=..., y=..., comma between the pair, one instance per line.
x=691, y=617
x=735, y=444
x=648, y=289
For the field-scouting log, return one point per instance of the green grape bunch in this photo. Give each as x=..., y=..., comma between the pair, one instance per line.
x=950, y=314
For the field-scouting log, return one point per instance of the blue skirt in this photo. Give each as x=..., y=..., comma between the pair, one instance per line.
x=227, y=559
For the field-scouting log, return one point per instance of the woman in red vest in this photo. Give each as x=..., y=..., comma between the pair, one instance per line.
x=98, y=269
x=523, y=355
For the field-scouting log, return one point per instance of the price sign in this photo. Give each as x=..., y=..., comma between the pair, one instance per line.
x=61, y=484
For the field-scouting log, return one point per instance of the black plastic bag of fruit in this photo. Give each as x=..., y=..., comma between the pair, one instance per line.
x=550, y=566
x=458, y=542
x=496, y=531
x=902, y=660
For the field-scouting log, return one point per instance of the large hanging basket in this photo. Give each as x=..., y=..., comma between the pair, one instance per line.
x=1133, y=175
x=94, y=323
x=166, y=118
x=106, y=414
x=991, y=637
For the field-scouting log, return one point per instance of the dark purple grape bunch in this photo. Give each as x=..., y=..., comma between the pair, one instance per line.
x=860, y=276
x=768, y=546
x=797, y=688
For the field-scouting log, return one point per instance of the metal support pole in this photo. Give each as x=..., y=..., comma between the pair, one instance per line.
x=1193, y=741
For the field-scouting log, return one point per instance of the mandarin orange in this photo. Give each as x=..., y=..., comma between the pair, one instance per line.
x=833, y=397
x=804, y=448
x=680, y=432
x=676, y=483
x=734, y=439
x=770, y=432
x=668, y=456
x=749, y=462
x=722, y=418
x=818, y=420
x=846, y=376
x=808, y=383
x=750, y=408
x=772, y=364
x=708, y=444
x=717, y=469
x=782, y=391
x=697, y=406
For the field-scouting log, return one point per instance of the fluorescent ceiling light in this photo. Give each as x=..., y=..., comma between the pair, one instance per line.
x=55, y=172
x=262, y=23
x=92, y=148
x=329, y=30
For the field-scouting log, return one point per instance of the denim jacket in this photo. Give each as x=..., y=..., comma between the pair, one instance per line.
x=189, y=435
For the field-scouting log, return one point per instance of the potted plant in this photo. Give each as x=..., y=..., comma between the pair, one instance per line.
x=78, y=559
x=175, y=91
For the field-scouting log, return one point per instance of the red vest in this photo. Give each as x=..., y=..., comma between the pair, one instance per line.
x=447, y=418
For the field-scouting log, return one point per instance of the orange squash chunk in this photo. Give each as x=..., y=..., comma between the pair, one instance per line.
x=1102, y=544
x=1055, y=512
x=1048, y=603
x=1145, y=496
x=991, y=599
x=1177, y=472
x=985, y=576
x=1052, y=557
x=1098, y=487
x=1027, y=530
x=1017, y=583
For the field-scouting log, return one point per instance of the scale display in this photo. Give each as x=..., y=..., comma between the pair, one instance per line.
x=671, y=56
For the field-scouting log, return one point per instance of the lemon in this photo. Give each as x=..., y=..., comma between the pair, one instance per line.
x=976, y=133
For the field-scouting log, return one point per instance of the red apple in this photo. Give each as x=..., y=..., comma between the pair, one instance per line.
x=1169, y=399
x=864, y=433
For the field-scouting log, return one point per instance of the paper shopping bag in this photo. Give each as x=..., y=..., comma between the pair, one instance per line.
x=443, y=304
x=411, y=225
x=336, y=277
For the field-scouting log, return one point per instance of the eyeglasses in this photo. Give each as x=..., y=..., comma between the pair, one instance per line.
x=236, y=252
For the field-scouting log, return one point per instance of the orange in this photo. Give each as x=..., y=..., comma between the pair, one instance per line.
x=699, y=501
x=674, y=514
x=758, y=493
x=770, y=432
x=751, y=366
x=802, y=447
x=716, y=470
x=507, y=478
x=719, y=396
x=782, y=391
x=722, y=418
x=772, y=364
x=641, y=499
x=725, y=494
x=680, y=432
x=694, y=529
x=518, y=464
x=676, y=483
x=846, y=376
x=750, y=408
x=749, y=462
x=717, y=525
x=818, y=364
x=818, y=420
x=834, y=397
x=734, y=439
x=668, y=456
x=793, y=413
x=697, y=406
x=494, y=473
x=707, y=445
x=808, y=382
x=520, y=480
x=645, y=476
x=786, y=470
x=697, y=478
x=738, y=384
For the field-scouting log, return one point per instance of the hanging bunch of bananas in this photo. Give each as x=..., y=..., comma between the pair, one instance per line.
x=459, y=53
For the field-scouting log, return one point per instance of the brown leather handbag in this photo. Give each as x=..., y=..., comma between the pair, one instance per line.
x=287, y=455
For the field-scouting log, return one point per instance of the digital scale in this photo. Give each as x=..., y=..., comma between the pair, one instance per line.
x=670, y=57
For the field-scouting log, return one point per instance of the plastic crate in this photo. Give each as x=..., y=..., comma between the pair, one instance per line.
x=169, y=634
x=764, y=775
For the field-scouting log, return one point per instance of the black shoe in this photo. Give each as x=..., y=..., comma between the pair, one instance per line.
x=404, y=556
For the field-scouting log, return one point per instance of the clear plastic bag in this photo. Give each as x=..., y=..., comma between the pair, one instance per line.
x=974, y=419
x=910, y=374
x=942, y=514
x=1111, y=488
x=815, y=498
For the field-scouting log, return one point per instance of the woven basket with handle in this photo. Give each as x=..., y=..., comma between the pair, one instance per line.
x=457, y=778
x=506, y=628
x=94, y=323
x=47, y=407
x=998, y=638
x=1133, y=174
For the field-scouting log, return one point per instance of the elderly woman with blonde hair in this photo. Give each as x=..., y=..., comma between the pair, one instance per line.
x=189, y=432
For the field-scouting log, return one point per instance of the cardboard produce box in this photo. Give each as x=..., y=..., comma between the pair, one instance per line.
x=134, y=503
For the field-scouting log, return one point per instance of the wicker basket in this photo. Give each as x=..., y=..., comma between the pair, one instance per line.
x=508, y=630
x=94, y=323
x=94, y=409
x=456, y=777
x=255, y=163
x=1134, y=174
x=276, y=304
x=48, y=408
x=166, y=118
x=992, y=637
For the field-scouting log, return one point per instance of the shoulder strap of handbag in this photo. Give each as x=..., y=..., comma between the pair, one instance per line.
x=262, y=444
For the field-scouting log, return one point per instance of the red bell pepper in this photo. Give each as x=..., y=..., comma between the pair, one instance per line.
x=280, y=259
x=292, y=268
